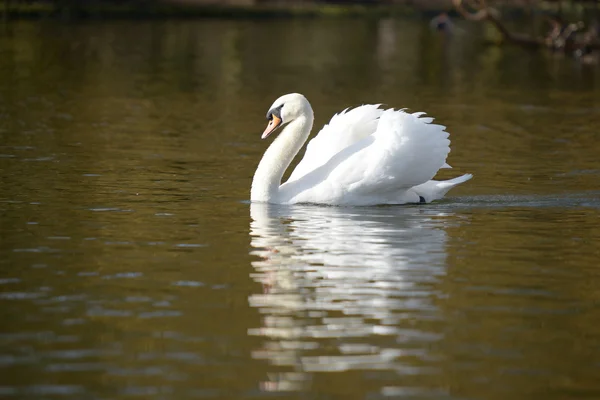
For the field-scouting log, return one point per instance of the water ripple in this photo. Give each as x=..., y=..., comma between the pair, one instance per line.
x=362, y=273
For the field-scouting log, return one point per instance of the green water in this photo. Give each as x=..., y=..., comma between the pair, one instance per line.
x=133, y=266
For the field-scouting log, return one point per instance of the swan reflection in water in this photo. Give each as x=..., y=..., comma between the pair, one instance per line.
x=345, y=288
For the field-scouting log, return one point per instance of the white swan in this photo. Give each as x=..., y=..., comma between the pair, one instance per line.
x=364, y=156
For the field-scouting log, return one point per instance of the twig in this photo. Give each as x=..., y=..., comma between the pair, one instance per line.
x=485, y=13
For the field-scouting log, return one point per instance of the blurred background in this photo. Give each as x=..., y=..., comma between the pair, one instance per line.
x=132, y=264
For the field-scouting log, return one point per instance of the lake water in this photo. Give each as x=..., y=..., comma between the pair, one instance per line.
x=133, y=266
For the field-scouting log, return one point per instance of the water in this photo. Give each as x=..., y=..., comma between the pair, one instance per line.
x=133, y=266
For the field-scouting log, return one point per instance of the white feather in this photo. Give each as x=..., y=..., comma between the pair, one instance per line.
x=344, y=129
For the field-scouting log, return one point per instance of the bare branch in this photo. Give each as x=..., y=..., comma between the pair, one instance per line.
x=493, y=16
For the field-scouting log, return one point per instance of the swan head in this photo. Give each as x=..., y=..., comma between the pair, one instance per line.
x=286, y=109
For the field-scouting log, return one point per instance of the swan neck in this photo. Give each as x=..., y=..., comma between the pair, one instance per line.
x=278, y=157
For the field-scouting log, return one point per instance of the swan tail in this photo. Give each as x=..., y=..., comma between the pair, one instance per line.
x=435, y=190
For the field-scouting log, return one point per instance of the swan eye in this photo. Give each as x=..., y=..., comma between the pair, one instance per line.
x=274, y=112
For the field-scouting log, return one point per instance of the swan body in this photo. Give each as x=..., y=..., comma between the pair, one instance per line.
x=364, y=156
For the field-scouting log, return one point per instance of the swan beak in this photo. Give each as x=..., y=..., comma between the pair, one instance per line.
x=274, y=123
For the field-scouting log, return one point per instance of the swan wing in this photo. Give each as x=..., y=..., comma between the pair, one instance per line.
x=408, y=150
x=405, y=150
x=344, y=129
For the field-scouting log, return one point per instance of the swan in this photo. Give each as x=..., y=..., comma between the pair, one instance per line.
x=364, y=156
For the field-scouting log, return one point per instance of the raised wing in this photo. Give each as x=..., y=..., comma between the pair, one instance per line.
x=405, y=150
x=408, y=150
x=344, y=129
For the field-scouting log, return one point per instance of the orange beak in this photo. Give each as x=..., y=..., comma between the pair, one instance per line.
x=274, y=123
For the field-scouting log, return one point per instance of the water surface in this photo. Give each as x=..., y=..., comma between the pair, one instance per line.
x=133, y=265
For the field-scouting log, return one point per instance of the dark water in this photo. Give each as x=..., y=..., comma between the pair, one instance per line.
x=132, y=265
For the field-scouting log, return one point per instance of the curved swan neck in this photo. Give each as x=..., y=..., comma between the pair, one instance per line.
x=278, y=157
